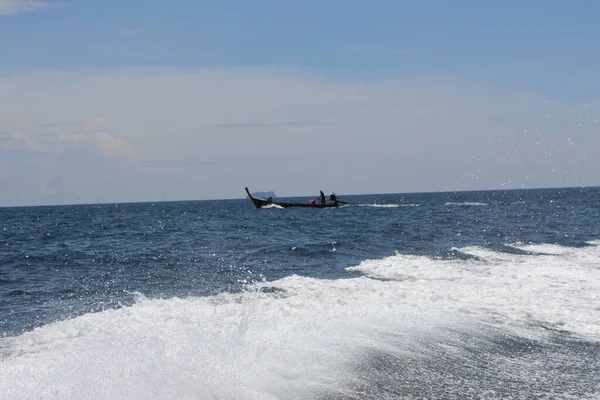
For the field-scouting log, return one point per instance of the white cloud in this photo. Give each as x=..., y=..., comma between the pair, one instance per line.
x=93, y=131
x=56, y=138
x=11, y=7
x=189, y=134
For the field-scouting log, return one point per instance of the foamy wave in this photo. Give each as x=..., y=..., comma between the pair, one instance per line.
x=558, y=287
x=466, y=203
x=271, y=206
x=301, y=337
x=545, y=248
x=388, y=205
x=379, y=205
x=298, y=341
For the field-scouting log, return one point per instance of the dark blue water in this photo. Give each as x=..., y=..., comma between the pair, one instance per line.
x=62, y=262
x=65, y=260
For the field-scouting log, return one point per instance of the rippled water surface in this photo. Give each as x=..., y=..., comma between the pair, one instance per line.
x=438, y=295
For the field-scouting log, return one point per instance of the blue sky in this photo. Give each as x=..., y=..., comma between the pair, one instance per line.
x=436, y=81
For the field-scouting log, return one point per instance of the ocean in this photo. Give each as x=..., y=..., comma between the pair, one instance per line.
x=456, y=295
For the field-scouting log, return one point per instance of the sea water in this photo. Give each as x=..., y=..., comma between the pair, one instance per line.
x=489, y=295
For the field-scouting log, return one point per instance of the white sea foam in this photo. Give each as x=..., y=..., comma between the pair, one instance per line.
x=287, y=344
x=301, y=337
x=545, y=248
x=466, y=203
x=388, y=205
x=380, y=205
x=559, y=287
x=272, y=206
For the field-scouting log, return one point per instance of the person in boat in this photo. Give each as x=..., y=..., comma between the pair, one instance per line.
x=270, y=200
x=322, y=197
x=333, y=198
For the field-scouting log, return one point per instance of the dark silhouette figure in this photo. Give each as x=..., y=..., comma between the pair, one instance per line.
x=322, y=197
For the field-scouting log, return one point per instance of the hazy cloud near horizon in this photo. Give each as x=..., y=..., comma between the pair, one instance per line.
x=112, y=135
x=11, y=7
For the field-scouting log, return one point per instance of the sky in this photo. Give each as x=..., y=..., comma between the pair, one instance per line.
x=126, y=101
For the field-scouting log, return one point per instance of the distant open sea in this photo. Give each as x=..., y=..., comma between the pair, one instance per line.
x=466, y=295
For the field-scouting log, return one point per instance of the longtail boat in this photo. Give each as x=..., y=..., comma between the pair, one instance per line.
x=259, y=203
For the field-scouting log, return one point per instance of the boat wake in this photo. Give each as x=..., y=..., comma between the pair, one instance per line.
x=271, y=206
x=465, y=204
x=486, y=325
x=387, y=205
